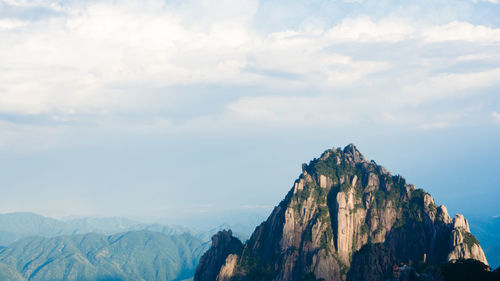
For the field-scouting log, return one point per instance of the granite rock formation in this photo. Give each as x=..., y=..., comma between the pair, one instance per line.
x=219, y=257
x=345, y=218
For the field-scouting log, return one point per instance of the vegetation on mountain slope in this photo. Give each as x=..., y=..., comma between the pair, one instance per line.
x=339, y=204
x=136, y=255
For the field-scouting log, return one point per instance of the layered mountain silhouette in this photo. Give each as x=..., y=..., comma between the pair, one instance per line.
x=345, y=218
x=134, y=255
x=14, y=226
x=34, y=247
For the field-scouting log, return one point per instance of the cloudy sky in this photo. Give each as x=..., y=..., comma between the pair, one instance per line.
x=171, y=109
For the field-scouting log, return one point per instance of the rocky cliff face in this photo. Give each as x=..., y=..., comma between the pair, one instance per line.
x=213, y=262
x=340, y=203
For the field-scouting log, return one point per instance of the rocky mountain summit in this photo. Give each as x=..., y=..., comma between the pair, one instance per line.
x=345, y=218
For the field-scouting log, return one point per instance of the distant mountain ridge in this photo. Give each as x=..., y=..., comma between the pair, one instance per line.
x=38, y=248
x=14, y=226
x=129, y=256
x=345, y=218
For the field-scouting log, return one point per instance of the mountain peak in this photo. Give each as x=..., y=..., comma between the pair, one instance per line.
x=352, y=150
x=223, y=245
x=341, y=212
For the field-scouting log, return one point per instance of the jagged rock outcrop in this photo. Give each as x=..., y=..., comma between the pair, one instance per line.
x=224, y=247
x=227, y=270
x=463, y=243
x=346, y=218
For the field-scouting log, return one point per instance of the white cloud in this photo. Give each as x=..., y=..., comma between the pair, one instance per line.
x=101, y=58
x=67, y=65
x=303, y=54
x=11, y=23
x=462, y=31
x=496, y=116
x=363, y=29
x=488, y=1
x=479, y=57
x=450, y=85
x=70, y=64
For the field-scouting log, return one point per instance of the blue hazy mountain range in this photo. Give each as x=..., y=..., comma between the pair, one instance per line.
x=14, y=226
x=133, y=255
x=34, y=247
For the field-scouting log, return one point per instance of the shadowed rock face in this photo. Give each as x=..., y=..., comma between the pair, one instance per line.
x=340, y=203
x=223, y=245
x=371, y=262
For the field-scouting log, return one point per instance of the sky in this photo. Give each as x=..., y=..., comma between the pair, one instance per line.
x=188, y=110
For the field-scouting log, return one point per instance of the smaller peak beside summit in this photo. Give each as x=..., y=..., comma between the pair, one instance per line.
x=459, y=221
x=224, y=244
x=357, y=156
x=223, y=237
x=442, y=214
